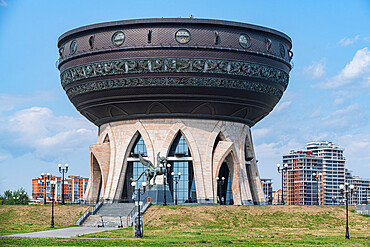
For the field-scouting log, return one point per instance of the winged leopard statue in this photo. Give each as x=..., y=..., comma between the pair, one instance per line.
x=152, y=171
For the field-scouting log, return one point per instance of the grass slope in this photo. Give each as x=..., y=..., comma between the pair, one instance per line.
x=231, y=225
x=30, y=218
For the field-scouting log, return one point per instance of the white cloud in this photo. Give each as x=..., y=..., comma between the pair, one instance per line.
x=352, y=116
x=316, y=113
x=3, y=3
x=315, y=71
x=9, y=102
x=260, y=133
x=348, y=41
x=282, y=105
x=356, y=70
x=38, y=130
x=3, y=157
x=356, y=151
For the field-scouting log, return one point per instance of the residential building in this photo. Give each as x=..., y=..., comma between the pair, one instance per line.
x=302, y=179
x=74, y=189
x=276, y=197
x=361, y=194
x=267, y=189
x=333, y=164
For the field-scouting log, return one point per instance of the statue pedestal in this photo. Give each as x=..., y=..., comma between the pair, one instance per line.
x=156, y=194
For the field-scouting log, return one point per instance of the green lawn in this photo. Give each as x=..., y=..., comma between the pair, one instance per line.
x=30, y=218
x=230, y=225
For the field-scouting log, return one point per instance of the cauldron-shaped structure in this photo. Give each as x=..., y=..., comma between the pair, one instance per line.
x=167, y=81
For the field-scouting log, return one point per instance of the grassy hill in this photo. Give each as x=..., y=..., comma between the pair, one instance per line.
x=231, y=225
x=30, y=218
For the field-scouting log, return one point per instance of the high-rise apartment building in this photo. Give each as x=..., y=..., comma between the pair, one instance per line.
x=302, y=179
x=313, y=177
x=333, y=163
x=267, y=189
x=361, y=193
x=74, y=189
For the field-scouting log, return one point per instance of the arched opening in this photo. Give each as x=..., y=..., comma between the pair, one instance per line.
x=220, y=137
x=106, y=139
x=179, y=157
x=97, y=176
x=134, y=168
x=224, y=185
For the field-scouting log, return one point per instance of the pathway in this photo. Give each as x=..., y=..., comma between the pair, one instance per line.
x=62, y=233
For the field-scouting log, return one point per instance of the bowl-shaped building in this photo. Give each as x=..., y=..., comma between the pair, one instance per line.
x=190, y=89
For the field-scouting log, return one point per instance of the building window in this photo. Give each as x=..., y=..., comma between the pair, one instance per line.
x=134, y=168
x=179, y=159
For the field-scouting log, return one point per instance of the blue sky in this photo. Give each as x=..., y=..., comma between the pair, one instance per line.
x=327, y=97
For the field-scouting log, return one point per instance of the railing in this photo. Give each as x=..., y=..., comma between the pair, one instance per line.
x=87, y=213
x=84, y=216
x=97, y=207
x=131, y=214
x=131, y=219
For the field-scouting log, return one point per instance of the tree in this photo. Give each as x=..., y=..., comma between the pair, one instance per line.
x=19, y=197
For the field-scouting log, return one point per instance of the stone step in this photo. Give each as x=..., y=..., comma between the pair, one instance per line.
x=95, y=221
x=115, y=209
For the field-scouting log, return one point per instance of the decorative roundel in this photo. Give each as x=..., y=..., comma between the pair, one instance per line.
x=73, y=47
x=282, y=50
x=182, y=36
x=118, y=38
x=244, y=40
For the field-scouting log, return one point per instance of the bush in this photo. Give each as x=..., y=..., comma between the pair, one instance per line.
x=18, y=197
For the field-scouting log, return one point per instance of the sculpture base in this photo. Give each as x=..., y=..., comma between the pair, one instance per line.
x=156, y=195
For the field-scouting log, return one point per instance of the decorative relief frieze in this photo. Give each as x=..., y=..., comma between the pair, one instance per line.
x=136, y=66
x=174, y=81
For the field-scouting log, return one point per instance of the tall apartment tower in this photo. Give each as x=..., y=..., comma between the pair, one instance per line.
x=361, y=194
x=333, y=168
x=303, y=178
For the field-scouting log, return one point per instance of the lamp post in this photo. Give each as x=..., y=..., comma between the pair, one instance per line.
x=281, y=170
x=317, y=187
x=138, y=231
x=176, y=179
x=220, y=183
x=63, y=171
x=44, y=176
x=165, y=175
x=345, y=190
x=52, y=184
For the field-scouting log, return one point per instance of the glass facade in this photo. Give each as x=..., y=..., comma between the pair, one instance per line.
x=186, y=190
x=134, y=169
x=224, y=189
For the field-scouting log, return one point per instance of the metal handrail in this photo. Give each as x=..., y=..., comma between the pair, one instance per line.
x=143, y=209
x=131, y=214
x=87, y=213
x=97, y=207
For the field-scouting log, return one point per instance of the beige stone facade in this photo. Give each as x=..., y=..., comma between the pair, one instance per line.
x=109, y=157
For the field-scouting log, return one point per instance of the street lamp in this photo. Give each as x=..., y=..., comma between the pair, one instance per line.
x=44, y=176
x=63, y=171
x=345, y=190
x=176, y=179
x=52, y=184
x=317, y=187
x=281, y=170
x=138, y=231
x=220, y=183
x=165, y=175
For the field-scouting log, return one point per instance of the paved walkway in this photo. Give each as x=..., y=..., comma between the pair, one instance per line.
x=62, y=233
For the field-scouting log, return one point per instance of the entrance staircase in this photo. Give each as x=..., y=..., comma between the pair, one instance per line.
x=109, y=215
